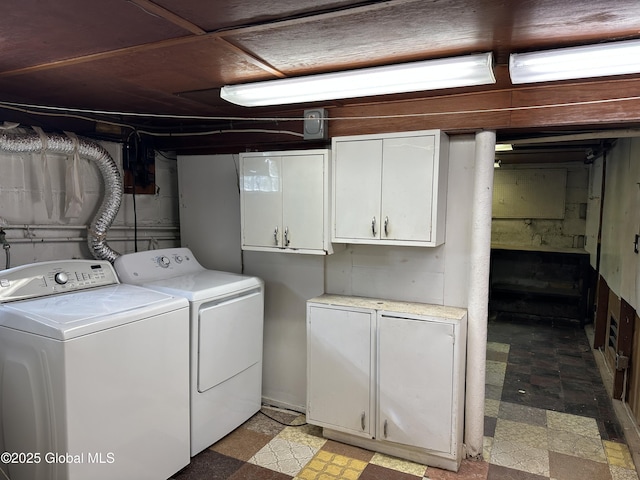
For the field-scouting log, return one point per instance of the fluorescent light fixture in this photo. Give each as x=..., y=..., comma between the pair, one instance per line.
x=615, y=58
x=408, y=77
x=504, y=147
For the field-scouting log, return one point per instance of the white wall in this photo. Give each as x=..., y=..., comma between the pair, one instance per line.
x=620, y=266
x=436, y=275
x=593, y=210
x=35, y=237
x=568, y=232
x=210, y=209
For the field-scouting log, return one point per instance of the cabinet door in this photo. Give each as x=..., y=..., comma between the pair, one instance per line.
x=415, y=382
x=407, y=188
x=357, y=174
x=303, y=201
x=339, y=369
x=261, y=201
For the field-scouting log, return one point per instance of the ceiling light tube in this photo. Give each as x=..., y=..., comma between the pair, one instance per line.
x=408, y=77
x=504, y=147
x=616, y=58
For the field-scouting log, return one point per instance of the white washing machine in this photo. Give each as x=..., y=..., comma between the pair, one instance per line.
x=227, y=314
x=94, y=380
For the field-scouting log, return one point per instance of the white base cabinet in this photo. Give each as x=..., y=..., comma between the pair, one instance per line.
x=388, y=376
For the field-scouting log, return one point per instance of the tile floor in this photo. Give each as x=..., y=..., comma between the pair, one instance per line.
x=547, y=416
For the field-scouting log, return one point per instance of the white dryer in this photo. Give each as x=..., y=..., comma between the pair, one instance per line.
x=93, y=375
x=227, y=314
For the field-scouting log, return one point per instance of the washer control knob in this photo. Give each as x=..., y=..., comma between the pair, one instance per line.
x=61, y=278
x=178, y=259
x=164, y=261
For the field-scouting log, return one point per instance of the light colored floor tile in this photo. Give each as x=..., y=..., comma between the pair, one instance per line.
x=529, y=435
x=620, y=473
x=487, y=443
x=585, y=426
x=495, y=372
x=399, y=465
x=491, y=407
x=618, y=454
x=520, y=457
x=284, y=456
x=493, y=392
x=310, y=435
x=576, y=445
x=498, y=347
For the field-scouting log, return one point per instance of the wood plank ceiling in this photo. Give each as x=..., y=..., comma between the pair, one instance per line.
x=170, y=58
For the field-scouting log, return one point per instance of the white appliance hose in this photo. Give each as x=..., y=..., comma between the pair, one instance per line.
x=31, y=142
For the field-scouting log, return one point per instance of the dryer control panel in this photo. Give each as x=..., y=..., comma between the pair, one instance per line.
x=151, y=265
x=59, y=276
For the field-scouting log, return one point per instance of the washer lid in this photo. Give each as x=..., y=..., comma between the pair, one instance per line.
x=205, y=284
x=70, y=315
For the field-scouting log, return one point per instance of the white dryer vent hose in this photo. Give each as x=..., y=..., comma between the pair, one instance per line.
x=32, y=142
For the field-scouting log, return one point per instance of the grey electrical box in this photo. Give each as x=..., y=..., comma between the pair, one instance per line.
x=622, y=362
x=315, y=124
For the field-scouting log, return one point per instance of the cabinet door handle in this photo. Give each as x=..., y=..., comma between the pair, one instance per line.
x=384, y=429
x=275, y=235
x=386, y=226
x=373, y=226
x=362, y=420
x=287, y=241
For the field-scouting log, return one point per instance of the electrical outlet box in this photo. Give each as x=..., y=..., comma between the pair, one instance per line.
x=315, y=124
x=622, y=362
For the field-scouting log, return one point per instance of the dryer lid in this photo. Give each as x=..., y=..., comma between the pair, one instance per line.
x=178, y=272
x=206, y=285
x=70, y=315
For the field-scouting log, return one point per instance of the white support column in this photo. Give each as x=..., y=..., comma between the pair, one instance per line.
x=478, y=308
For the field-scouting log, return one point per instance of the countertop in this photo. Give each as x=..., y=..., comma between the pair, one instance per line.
x=413, y=308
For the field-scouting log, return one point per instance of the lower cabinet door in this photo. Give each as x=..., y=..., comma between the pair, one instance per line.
x=339, y=369
x=415, y=382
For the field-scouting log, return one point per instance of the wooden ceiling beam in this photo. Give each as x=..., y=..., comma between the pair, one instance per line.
x=594, y=104
x=251, y=58
x=158, y=11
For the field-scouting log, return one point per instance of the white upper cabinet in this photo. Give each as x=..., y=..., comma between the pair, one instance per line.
x=284, y=199
x=390, y=189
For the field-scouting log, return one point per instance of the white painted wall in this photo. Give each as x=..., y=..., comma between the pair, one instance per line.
x=210, y=209
x=435, y=275
x=620, y=266
x=23, y=207
x=593, y=210
x=568, y=232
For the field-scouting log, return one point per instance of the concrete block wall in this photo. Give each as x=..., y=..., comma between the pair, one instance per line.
x=568, y=232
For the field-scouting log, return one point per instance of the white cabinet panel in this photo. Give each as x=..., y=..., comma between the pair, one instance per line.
x=407, y=198
x=415, y=382
x=390, y=189
x=284, y=199
x=358, y=178
x=339, y=368
x=261, y=201
x=303, y=201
